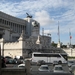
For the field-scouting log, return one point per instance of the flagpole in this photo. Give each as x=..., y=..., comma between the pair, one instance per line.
x=58, y=33
x=70, y=37
x=70, y=42
x=58, y=45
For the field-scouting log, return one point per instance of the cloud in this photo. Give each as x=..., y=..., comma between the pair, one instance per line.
x=46, y=12
x=17, y=8
x=43, y=18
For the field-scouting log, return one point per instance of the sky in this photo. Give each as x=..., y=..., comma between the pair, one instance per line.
x=48, y=13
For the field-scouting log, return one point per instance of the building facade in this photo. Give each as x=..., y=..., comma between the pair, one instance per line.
x=18, y=37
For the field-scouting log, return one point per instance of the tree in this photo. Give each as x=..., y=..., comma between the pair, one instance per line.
x=54, y=44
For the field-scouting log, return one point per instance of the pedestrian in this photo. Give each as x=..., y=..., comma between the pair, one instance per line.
x=3, y=62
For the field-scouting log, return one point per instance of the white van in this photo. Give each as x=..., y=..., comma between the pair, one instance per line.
x=48, y=57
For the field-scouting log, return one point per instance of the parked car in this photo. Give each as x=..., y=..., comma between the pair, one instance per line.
x=8, y=57
x=71, y=62
x=21, y=65
x=40, y=62
x=19, y=61
x=58, y=68
x=44, y=68
x=55, y=62
x=72, y=69
x=10, y=60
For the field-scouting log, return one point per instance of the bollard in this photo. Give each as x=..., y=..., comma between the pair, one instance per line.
x=0, y=59
x=28, y=66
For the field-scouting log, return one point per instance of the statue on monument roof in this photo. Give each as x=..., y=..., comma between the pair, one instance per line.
x=28, y=15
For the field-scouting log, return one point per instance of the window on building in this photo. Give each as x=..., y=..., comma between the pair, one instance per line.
x=3, y=21
x=7, y=22
x=0, y=20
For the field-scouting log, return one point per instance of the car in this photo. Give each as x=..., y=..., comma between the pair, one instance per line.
x=44, y=68
x=40, y=62
x=55, y=62
x=11, y=61
x=58, y=68
x=21, y=65
x=71, y=62
x=72, y=69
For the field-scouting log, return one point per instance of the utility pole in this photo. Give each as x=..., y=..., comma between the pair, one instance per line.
x=43, y=31
x=58, y=45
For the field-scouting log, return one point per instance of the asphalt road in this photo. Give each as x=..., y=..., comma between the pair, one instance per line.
x=36, y=72
x=65, y=67
x=49, y=73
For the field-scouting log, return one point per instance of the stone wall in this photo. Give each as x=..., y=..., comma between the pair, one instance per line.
x=23, y=45
x=70, y=51
x=13, y=72
x=11, y=48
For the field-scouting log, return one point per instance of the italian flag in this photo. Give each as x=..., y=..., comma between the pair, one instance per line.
x=70, y=35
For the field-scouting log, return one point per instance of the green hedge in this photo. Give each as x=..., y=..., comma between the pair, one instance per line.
x=71, y=57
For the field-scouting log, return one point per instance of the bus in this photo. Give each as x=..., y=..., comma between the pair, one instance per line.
x=65, y=56
x=49, y=57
